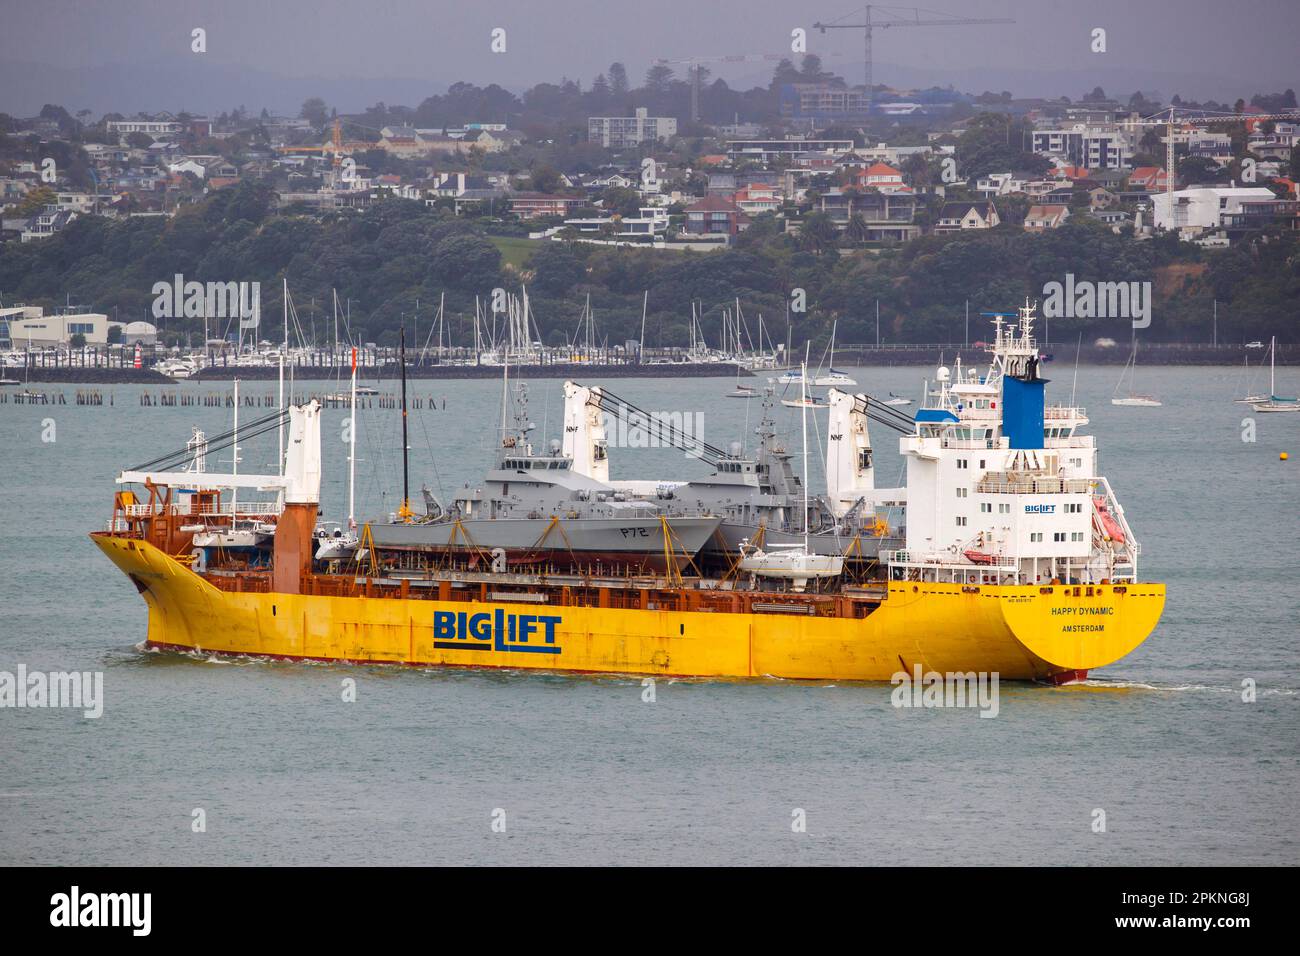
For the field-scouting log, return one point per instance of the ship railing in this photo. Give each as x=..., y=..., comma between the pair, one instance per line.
x=1040, y=485
x=1071, y=441
x=964, y=573
x=187, y=509
x=904, y=557
x=225, y=508
x=981, y=414
x=1064, y=411
x=1131, y=543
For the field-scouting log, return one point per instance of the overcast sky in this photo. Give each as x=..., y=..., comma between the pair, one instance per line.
x=100, y=55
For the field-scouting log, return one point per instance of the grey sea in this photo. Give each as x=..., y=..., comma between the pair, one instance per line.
x=1161, y=747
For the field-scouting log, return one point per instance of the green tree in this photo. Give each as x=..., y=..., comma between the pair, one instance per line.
x=856, y=229
x=818, y=233
x=314, y=111
x=658, y=78
x=618, y=79
x=35, y=200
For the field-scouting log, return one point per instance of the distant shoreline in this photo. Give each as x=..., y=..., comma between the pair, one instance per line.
x=1062, y=354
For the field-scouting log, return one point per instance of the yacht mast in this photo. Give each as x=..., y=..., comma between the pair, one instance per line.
x=405, y=512
x=283, y=348
x=234, y=461
x=803, y=409
x=1272, y=368
x=352, y=448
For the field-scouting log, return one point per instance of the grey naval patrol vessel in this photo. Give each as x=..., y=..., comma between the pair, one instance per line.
x=758, y=496
x=536, y=509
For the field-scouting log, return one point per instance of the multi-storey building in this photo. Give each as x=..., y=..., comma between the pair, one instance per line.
x=624, y=132
x=1092, y=147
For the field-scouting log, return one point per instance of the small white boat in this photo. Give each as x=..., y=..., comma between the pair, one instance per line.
x=796, y=563
x=897, y=400
x=809, y=402
x=1133, y=400
x=1250, y=398
x=229, y=538
x=1275, y=402
x=743, y=391
x=1138, y=401
x=333, y=543
x=835, y=378
x=793, y=563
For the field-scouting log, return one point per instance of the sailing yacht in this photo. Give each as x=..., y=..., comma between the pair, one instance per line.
x=1133, y=399
x=1251, y=397
x=832, y=377
x=796, y=563
x=1275, y=403
x=806, y=399
x=337, y=543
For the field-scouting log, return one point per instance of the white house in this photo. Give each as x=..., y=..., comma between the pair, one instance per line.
x=1205, y=208
x=42, y=331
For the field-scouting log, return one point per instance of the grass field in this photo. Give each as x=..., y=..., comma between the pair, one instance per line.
x=516, y=251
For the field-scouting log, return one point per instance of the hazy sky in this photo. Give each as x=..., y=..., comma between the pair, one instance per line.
x=84, y=52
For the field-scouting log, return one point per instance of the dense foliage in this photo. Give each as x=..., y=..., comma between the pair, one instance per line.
x=397, y=252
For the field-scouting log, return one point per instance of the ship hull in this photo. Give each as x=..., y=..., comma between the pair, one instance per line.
x=731, y=535
x=1018, y=632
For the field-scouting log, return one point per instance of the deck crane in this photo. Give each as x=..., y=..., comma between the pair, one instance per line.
x=898, y=17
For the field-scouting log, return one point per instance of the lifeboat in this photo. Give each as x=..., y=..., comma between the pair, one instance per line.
x=1109, y=525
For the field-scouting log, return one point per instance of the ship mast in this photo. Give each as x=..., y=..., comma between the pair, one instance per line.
x=280, y=429
x=405, y=512
x=352, y=448
x=234, y=461
x=803, y=408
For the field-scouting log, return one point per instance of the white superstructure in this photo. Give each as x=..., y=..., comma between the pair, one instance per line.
x=1000, y=487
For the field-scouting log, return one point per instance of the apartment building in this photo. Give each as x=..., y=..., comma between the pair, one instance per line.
x=1092, y=147
x=624, y=132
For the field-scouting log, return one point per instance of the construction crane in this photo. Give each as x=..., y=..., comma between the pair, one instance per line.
x=1184, y=117
x=693, y=70
x=898, y=17
x=335, y=146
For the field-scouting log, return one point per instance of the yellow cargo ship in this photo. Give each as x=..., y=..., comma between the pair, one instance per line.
x=1019, y=560
x=1029, y=632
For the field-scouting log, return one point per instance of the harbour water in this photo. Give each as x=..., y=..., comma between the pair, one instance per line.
x=584, y=769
